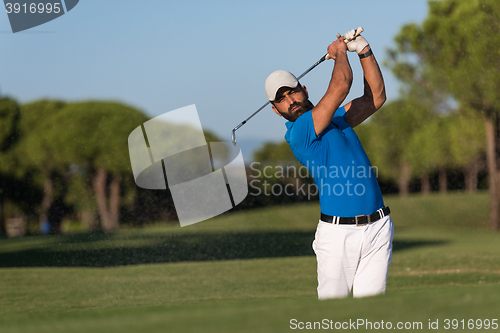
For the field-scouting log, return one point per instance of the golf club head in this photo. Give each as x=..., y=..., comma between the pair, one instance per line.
x=233, y=136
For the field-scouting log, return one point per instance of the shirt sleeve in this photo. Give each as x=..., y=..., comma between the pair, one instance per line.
x=303, y=136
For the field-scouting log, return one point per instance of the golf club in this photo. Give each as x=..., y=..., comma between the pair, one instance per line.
x=233, y=136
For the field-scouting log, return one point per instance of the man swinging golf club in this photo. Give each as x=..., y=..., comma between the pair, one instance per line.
x=353, y=241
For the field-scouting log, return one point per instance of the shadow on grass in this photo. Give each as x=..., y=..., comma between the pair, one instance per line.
x=169, y=248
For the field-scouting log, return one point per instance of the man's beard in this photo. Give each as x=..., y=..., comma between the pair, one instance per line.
x=304, y=107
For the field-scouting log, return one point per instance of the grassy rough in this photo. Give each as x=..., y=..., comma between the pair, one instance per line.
x=246, y=272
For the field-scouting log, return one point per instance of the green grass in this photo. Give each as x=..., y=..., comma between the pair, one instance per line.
x=249, y=271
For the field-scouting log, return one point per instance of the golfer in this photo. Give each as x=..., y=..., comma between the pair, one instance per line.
x=353, y=240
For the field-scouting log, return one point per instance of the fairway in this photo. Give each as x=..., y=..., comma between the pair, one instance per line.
x=251, y=271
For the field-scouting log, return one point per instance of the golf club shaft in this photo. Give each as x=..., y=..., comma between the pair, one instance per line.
x=233, y=136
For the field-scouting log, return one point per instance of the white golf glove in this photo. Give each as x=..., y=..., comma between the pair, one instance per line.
x=357, y=44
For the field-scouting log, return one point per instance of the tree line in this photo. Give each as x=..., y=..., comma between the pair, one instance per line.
x=453, y=55
x=62, y=157
x=70, y=160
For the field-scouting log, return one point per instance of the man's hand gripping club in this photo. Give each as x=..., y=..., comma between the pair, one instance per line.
x=355, y=42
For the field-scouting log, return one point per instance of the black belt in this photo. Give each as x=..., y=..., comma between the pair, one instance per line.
x=357, y=220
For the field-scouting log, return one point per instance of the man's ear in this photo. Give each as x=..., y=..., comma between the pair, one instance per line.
x=276, y=111
x=305, y=90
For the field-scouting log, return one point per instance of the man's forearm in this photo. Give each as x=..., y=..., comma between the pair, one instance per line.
x=337, y=91
x=341, y=74
x=340, y=84
x=374, y=92
x=374, y=82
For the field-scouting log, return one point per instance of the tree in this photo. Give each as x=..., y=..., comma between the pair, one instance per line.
x=456, y=49
x=468, y=144
x=392, y=128
x=276, y=153
x=92, y=137
x=35, y=153
x=9, y=122
x=428, y=150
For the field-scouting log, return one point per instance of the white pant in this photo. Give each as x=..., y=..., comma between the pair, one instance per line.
x=353, y=257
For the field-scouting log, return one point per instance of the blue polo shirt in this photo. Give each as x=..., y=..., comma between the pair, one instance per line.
x=336, y=160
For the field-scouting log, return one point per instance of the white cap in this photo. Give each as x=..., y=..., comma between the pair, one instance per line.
x=279, y=79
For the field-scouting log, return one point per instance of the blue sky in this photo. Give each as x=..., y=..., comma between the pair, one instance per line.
x=160, y=55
